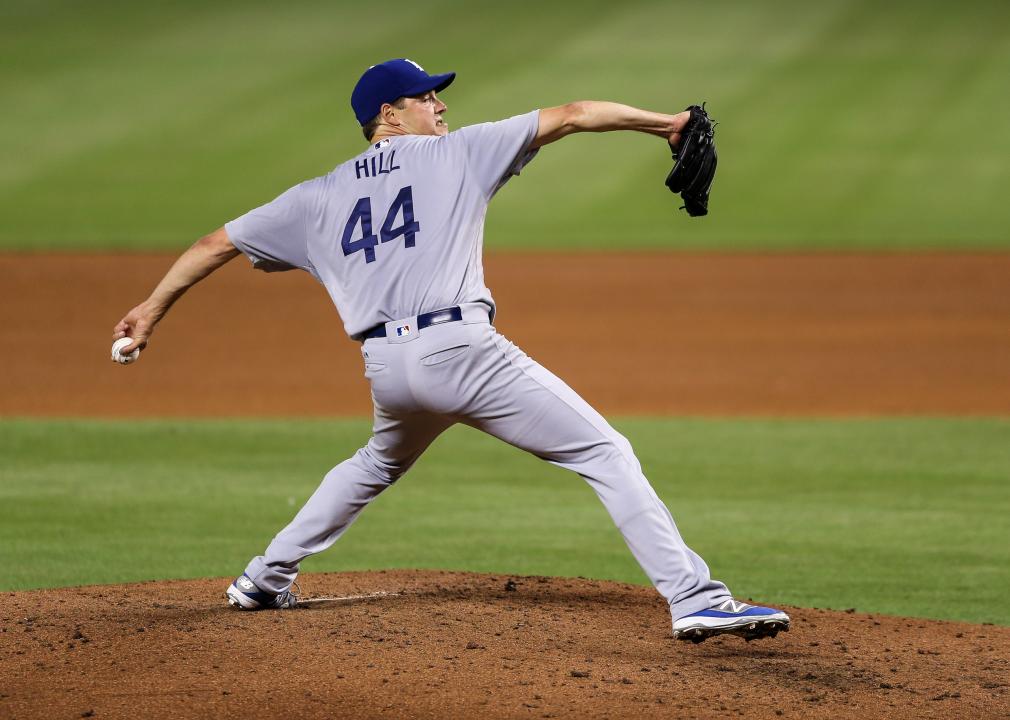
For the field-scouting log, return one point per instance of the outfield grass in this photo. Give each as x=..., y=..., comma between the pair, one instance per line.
x=844, y=123
x=894, y=516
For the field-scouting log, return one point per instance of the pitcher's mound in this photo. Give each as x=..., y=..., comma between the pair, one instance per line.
x=421, y=644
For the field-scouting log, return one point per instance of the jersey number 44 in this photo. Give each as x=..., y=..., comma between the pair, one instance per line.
x=362, y=215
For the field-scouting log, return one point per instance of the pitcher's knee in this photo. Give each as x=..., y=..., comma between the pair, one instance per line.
x=389, y=473
x=614, y=458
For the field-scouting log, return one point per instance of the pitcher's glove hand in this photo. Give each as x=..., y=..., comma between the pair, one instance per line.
x=696, y=159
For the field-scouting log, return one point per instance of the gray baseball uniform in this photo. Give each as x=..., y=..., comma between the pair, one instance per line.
x=397, y=232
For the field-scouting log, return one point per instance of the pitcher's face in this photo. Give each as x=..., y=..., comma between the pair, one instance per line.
x=422, y=115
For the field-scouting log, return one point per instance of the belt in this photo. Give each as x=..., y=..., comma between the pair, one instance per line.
x=435, y=317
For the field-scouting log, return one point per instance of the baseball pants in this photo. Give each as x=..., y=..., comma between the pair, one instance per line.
x=426, y=381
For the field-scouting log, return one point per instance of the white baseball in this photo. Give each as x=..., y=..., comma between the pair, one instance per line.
x=124, y=359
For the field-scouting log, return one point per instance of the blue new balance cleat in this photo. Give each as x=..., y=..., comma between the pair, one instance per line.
x=731, y=618
x=245, y=595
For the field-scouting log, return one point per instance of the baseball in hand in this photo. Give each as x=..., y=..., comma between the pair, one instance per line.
x=124, y=359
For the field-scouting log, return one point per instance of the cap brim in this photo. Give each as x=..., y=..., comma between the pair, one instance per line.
x=438, y=83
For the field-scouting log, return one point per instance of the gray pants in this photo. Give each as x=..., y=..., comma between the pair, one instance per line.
x=425, y=381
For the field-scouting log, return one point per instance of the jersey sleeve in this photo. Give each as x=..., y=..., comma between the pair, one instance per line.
x=496, y=151
x=273, y=236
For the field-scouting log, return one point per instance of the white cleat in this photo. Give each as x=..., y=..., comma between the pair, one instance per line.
x=244, y=594
x=750, y=622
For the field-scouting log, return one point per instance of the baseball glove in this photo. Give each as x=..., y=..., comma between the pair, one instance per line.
x=695, y=160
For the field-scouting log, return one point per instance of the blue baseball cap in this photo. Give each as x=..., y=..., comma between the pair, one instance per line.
x=385, y=82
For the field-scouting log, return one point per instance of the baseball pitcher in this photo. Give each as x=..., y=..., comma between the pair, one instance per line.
x=395, y=235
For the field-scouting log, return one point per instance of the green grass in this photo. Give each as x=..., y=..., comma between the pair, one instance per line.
x=844, y=123
x=894, y=516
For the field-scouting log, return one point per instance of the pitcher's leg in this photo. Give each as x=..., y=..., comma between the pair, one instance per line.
x=396, y=444
x=529, y=407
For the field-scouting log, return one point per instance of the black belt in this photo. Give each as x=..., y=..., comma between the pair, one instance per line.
x=435, y=317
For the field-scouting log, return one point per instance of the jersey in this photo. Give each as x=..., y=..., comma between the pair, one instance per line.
x=397, y=230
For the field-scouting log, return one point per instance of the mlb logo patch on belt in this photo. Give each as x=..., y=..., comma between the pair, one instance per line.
x=402, y=330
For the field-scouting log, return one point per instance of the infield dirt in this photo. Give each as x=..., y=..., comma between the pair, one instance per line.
x=828, y=335
x=648, y=334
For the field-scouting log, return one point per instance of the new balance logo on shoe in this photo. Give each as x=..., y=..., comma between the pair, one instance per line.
x=732, y=606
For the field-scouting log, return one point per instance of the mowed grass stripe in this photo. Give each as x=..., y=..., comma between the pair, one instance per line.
x=844, y=124
x=895, y=516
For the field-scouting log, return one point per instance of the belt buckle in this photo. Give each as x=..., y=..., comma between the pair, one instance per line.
x=440, y=316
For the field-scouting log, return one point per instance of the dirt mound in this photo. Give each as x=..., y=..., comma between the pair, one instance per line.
x=459, y=645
